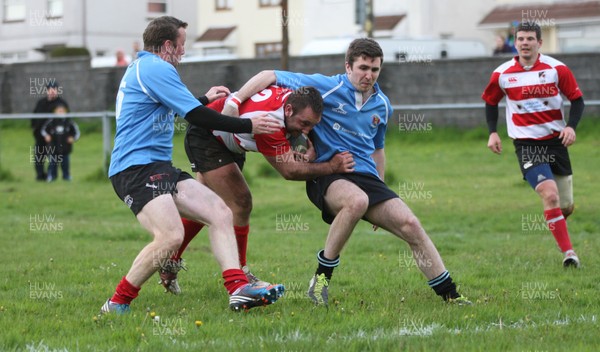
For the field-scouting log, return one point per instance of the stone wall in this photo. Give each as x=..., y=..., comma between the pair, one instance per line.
x=435, y=82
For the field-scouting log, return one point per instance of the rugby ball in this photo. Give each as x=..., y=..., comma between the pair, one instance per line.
x=299, y=144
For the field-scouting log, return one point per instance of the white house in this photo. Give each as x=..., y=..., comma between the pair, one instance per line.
x=31, y=28
x=567, y=26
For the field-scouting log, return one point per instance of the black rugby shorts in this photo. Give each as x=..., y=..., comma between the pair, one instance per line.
x=206, y=153
x=373, y=186
x=139, y=184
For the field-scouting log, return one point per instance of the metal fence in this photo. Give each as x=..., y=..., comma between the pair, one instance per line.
x=106, y=117
x=467, y=106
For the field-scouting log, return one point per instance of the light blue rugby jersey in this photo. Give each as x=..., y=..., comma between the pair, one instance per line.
x=150, y=94
x=347, y=124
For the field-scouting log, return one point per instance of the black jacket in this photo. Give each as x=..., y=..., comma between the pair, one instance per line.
x=60, y=129
x=44, y=106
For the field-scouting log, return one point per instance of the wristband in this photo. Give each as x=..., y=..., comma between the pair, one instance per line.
x=234, y=102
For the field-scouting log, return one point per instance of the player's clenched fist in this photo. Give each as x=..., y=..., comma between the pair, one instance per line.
x=342, y=163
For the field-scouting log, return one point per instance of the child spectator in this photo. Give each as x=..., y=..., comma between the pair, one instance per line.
x=60, y=133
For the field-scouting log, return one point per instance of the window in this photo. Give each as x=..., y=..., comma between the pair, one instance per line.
x=157, y=6
x=577, y=38
x=20, y=56
x=222, y=5
x=217, y=51
x=55, y=8
x=268, y=50
x=268, y=3
x=14, y=10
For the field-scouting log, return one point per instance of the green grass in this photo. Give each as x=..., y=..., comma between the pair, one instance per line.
x=64, y=247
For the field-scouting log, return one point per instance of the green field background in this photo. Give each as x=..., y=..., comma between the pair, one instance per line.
x=65, y=245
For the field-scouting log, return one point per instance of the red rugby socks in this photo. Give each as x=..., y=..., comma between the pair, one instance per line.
x=191, y=229
x=234, y=279
x=241, y=237
x=558, y=226
x=125, y=292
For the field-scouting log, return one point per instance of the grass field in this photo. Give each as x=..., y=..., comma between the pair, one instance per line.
x=64, y=246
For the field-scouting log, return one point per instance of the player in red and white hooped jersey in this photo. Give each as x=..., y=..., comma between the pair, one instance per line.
x=533, y=97
x=218, y=158
x=533, y=84
x=270, y=101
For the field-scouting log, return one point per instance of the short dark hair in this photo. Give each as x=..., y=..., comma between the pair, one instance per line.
x=161, y=29
x=363, y=47
x=530, y=27
x=304, y=97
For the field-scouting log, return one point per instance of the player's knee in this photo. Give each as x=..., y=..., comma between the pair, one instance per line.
x=549, y=195
x=170, y=239
x=243, y=203
x=551, y=198
x=173, y=243
x=357, y=205
x=221, y=214
x=412, y=228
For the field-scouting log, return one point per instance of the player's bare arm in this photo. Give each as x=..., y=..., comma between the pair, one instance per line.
x=379, y=158
x=252, y=86
x=291, y=169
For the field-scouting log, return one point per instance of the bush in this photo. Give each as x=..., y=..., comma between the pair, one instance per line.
x=69, y=52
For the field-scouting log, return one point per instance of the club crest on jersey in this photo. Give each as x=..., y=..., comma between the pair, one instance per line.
x=340, y=108
x=375, y=120
x=542, y=76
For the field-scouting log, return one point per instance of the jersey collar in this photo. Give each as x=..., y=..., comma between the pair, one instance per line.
x=348, y=84
x=537, y=61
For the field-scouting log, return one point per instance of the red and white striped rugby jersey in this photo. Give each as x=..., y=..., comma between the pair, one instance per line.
x=534, y=106
x=269, y=101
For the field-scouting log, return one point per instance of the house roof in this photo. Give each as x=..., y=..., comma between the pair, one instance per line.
x=215, y=34
x=383, y=23
x=543, y=12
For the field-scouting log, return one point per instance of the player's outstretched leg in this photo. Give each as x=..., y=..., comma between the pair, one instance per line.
x=349, y=203
x=218, y=218
x=161, y=218
x=394, y=215
x=557, y=224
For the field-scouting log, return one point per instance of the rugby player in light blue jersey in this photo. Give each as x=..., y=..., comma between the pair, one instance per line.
x=150, y=95
x=355, y=117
